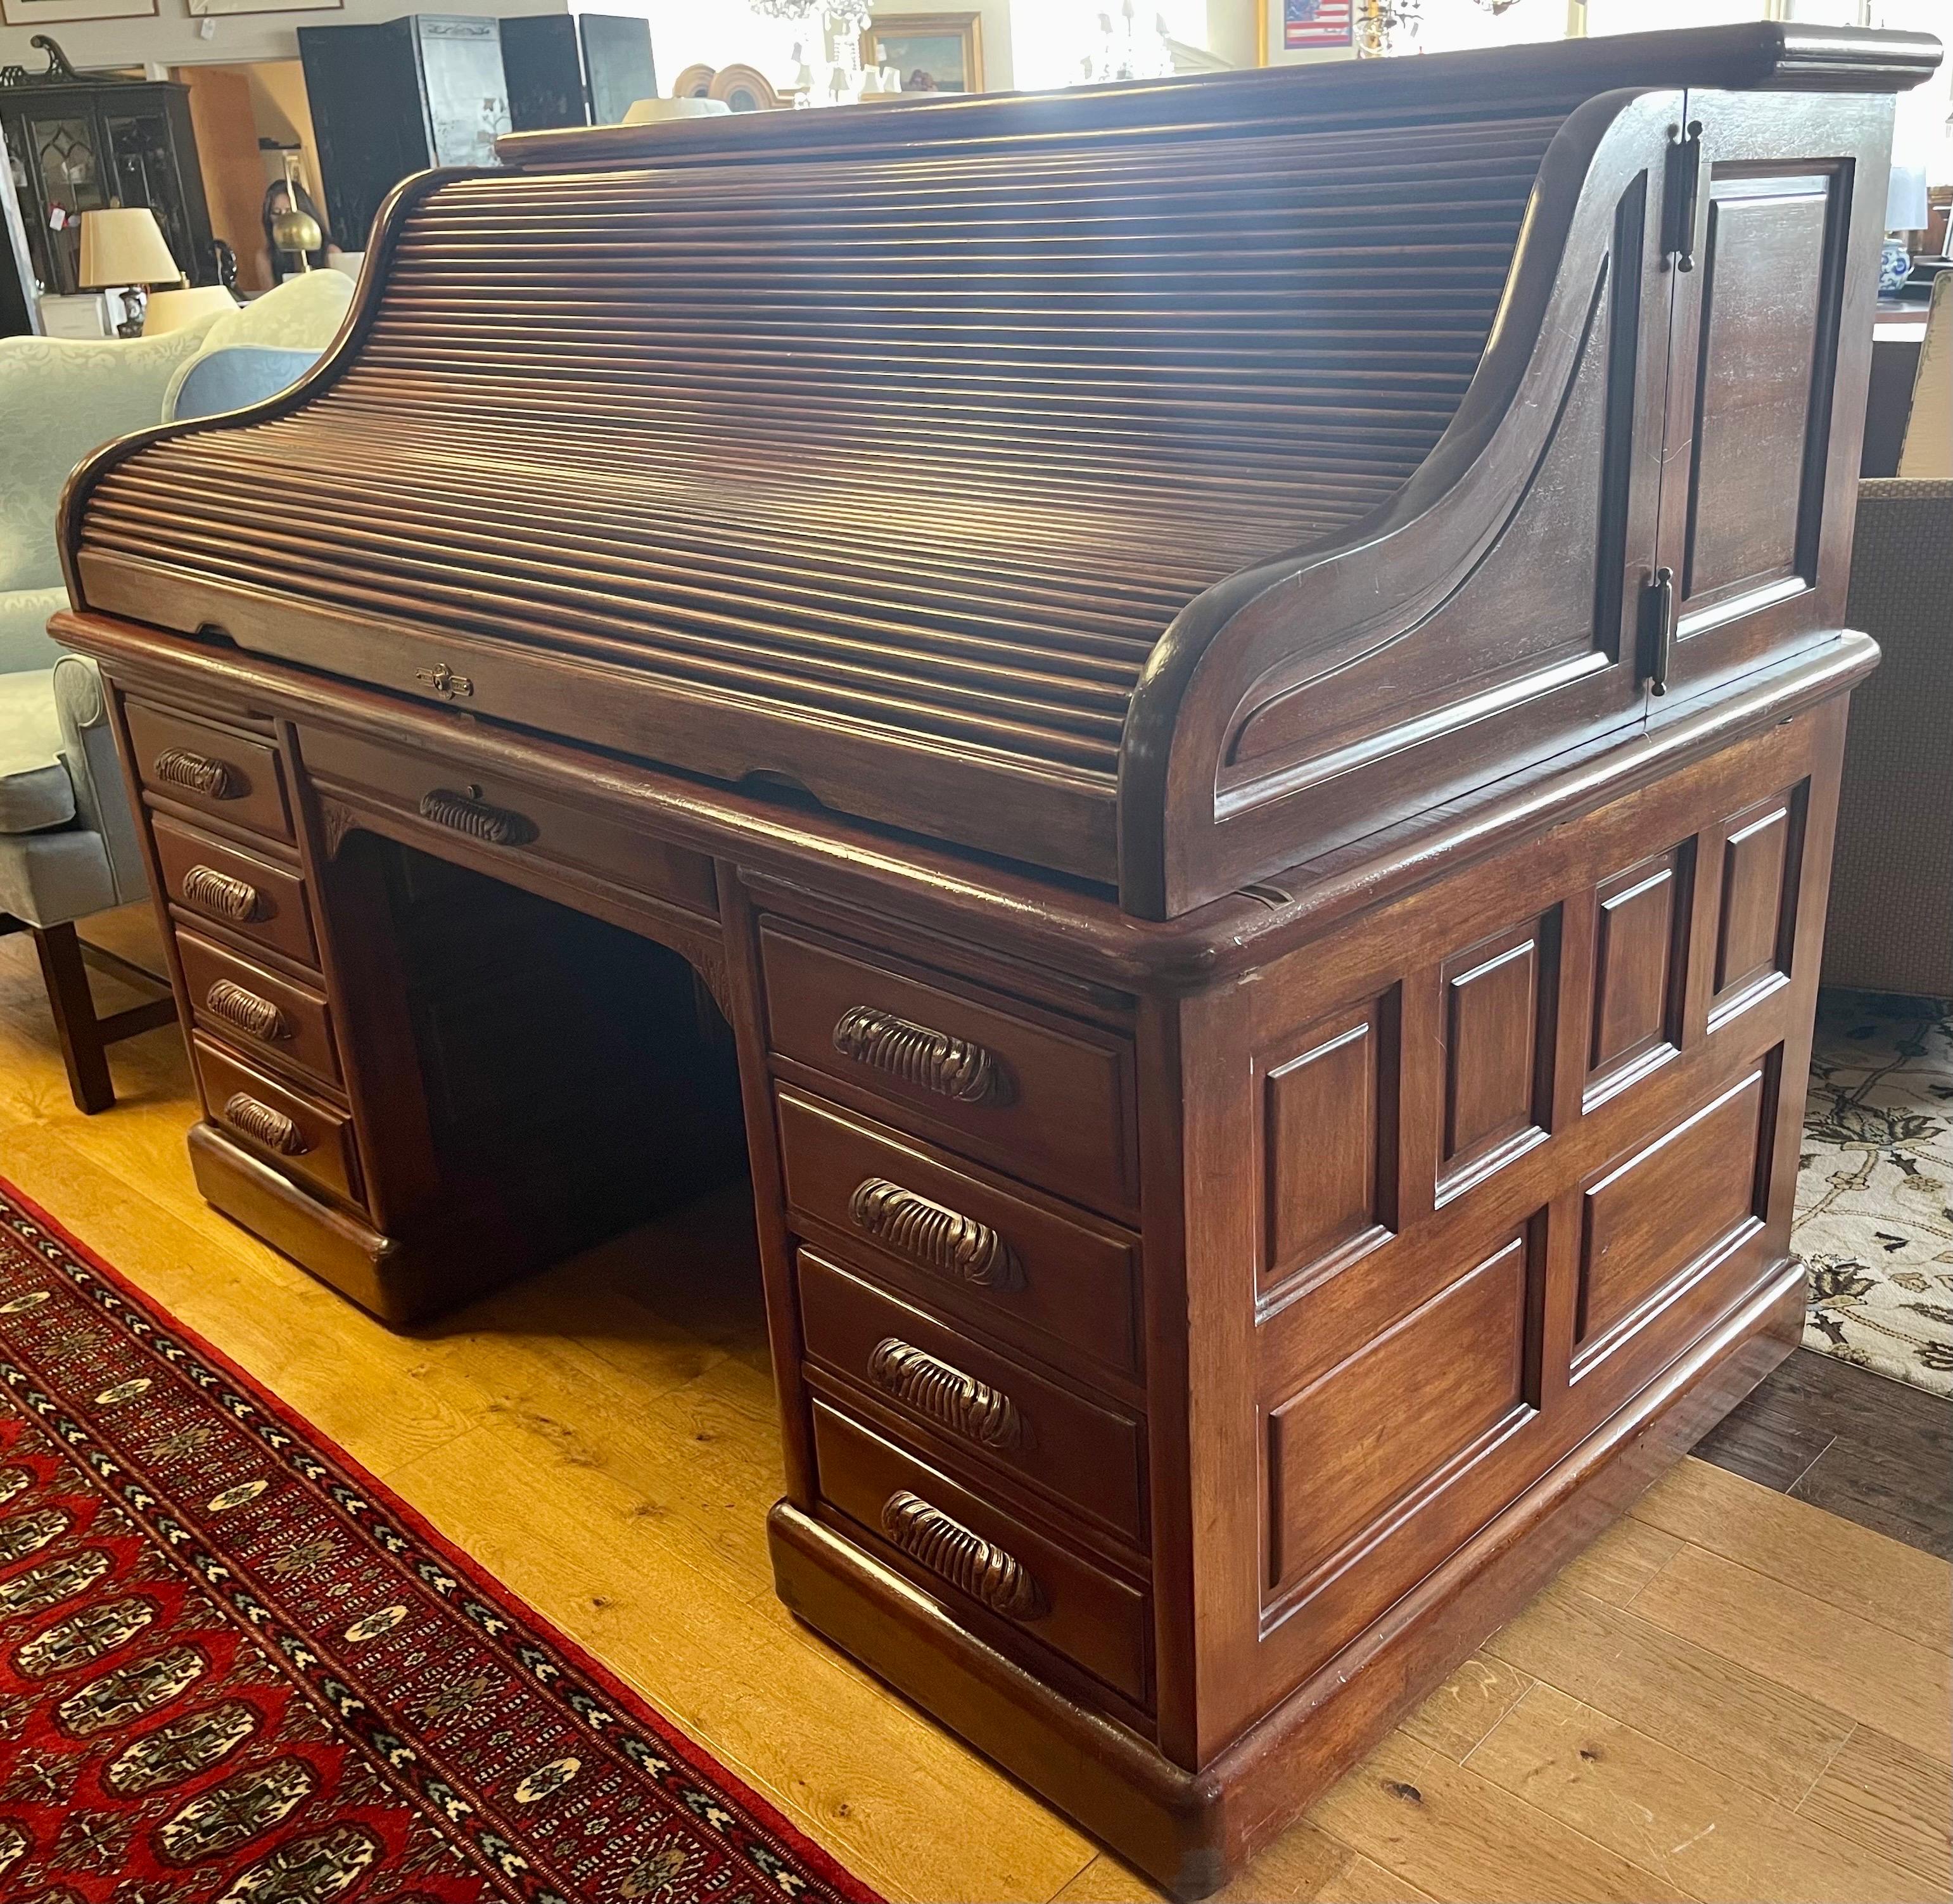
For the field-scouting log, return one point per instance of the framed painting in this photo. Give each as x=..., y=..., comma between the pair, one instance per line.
x=1302, y=30
x=934, y=52
x=37, y=13
x=200, y=9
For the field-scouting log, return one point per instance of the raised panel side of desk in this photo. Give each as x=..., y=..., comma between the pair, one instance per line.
x=1544, y=1110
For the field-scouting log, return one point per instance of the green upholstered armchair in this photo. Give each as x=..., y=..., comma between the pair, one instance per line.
x=59, y=398
x=68, y=846
x=67, y=843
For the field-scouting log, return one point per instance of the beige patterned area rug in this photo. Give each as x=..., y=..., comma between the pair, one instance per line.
x=1873, y=1219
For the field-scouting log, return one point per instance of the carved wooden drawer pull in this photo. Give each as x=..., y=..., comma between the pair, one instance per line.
x=177, y=767
x=953, y=1068
x=271, y=1128
x=933, y=1235
x=959, y=1402
x=465, y=814
x=211, y=891
x=981, y=1568
x=247, y=1012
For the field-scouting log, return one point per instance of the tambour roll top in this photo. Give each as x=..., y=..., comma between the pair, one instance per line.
x=877, y=454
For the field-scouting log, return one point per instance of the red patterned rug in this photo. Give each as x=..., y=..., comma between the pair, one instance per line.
x=235, y=1669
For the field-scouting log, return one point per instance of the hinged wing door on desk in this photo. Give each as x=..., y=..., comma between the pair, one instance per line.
x=1490, y=614
x=1776, y=210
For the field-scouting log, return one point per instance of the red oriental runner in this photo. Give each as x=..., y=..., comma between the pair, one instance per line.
x=235, y=1669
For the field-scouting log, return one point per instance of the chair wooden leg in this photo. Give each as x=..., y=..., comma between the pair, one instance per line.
x=83, y=1048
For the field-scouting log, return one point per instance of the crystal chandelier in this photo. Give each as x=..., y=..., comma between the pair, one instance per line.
x=832, y=31
x=849, y=16
x=1125, y=49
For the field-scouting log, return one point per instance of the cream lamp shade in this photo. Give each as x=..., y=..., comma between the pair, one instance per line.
x=650, y=112
x=171, y=310
x=124, y=246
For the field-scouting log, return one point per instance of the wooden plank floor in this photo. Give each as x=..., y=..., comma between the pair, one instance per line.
x=1735, y=1695
x=1833, y=1434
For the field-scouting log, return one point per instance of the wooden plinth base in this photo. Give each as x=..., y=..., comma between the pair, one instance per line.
x=401, y=1280
x=1192, y=1830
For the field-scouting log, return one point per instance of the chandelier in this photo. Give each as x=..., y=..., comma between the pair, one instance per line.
x=1383, y=27
x=851, y=15
x=1128, y=47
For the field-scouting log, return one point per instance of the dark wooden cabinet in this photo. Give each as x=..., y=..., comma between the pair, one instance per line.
x=74, y=144
x=542, y=66
x=1240, y=811
x=393, y=98
x=617, y=64
x=587, y=69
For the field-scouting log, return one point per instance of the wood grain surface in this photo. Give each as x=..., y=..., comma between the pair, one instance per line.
x=626, y=1394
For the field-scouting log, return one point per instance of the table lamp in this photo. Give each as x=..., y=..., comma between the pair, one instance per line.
x=1905, y=212
x=294, y=231
x=122, y=248
x=170, y=310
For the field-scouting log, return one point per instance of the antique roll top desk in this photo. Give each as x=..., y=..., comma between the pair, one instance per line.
x=1203, y=719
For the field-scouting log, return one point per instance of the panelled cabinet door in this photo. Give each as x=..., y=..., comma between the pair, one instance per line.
x=1773, y=211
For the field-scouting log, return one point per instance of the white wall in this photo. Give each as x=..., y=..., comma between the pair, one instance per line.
x=172, y=38
x=1231, y=27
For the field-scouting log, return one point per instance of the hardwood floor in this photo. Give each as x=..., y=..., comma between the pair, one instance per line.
x=1735, y=1695
x=1874, y=1450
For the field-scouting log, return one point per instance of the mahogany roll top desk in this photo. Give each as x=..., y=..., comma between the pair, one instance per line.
x=1202, y=720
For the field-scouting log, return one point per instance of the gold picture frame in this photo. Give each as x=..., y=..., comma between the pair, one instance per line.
x=948, y=47
x=213, y=9
x=1330, y=35
x=38, y=13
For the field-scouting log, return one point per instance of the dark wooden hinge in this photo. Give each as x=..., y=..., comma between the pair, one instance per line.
x=1685, y=183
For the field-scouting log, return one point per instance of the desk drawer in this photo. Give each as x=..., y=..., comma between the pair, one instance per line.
x=256, y=1008
x=1045, y=1099
x=233, y=887
x=1056, y=1283
x=983, y=1402
x=511, y=817
x=979, y=1556
x=299, y=1135
x=235, y=779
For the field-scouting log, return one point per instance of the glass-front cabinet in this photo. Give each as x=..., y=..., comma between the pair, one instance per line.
x=78, y=143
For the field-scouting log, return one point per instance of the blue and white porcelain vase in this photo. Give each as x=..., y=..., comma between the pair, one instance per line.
x=1894, y=265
